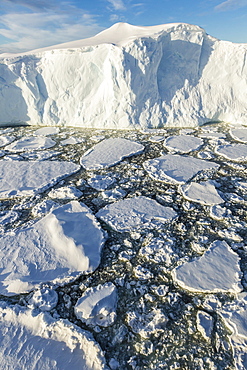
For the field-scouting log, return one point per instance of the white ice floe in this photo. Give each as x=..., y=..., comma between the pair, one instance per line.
x=72, y=140
x=5, y=140
x=218, y=212
x=235, y=152
x=205, y=324
x=175, y=168
x=22, y=178
x=64, y=243
x=97, y=305
x=45, y=299
x=156, y=138
x=65, y=192
x=183, y=143
x=239, y=134
x=44, y=131
x=217, y=270
x=130, y=213
x=109, y=152
x=37, y=341
x=29, y=143
x=203, y=192
x=101, y=182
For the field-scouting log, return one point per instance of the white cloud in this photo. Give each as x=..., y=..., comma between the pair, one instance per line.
x=117, y=4
x=35, y=30
x=231, y=5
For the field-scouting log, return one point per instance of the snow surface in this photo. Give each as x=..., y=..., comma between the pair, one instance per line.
x=22, y=178
x=183, y=143
x=203, y=192
x=47, y=131
x=217, y=270
x=127, y=214
x=175, y=168
x=65, y=192
x=97, y=305
x=109, y=152
x=239, y=134
x=36, y=341
x=128, y=77
x=64, y=243
x=31, y=143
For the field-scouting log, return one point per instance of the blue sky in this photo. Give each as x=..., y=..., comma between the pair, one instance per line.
x=30, y=24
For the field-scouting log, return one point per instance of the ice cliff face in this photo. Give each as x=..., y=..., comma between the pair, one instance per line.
x=128, y=77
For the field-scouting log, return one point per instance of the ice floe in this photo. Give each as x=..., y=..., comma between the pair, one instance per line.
x=183, y=143
x=65, y=192
x=235, y=152
x=37, y=341
x=44, y=131
x=203, y=192
x=175, y=168
x=5, y=140
x=239, y=134
x=45, y=299
x=72, y=141
x=217, y=270
x=29, y=143
x=130, y=213
x=97, y=305
x=204, y=324
x=22, y=178
x=64, y=243
x=109, y=152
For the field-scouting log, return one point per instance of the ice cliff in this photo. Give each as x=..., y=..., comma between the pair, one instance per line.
x=128, y=77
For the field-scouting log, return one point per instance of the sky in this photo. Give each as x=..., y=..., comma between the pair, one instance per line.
x=31, y=24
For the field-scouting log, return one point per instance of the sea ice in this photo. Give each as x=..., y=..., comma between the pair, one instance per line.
x=219, y=213
x=203, y=192
x=5, y=140
x=29, y=143
x=235, y=152
x=65, y=192
x=72, y=141
x=44, y=207
x=101, y=182
x=44, y=131
x=97, y=305
x=41, y=155
x=64, y=243
x=22, y=178
x=45, y=299
x=147, y=324
x=217, y=270
x=37, y=341
x=175, y=168
x=204, y=324
x=127, y=214
x=109, y=152
x=183, y=143
x=239, y=134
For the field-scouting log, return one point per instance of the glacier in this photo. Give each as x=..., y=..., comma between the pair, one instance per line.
x=127, y=77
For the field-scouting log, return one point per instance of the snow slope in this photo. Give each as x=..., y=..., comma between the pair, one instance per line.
x=128, y=77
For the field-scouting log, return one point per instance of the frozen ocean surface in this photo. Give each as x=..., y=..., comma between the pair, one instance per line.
x=120, y=252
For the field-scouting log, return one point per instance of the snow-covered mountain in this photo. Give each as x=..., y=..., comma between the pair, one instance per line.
x=128, y=77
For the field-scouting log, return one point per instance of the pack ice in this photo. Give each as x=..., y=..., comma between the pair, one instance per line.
x=62, y=244
x=126, y=77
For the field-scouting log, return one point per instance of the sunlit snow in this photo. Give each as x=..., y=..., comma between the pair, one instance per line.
x=30, y=143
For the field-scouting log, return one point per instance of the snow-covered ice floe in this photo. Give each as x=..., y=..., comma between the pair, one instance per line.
x=37, y=341
x=235, y=152
x=109, y=152
x=127, y=214
x=5, y=139
x=217, y=270
x=239, y=134
x=45, y=131
x=203, y=192
x=22, y=178
x=183, y=143
x=29, y=143
x=204, y=324
x=97, y=305
x=63, y=244
x=65, y=192
x=175, y=168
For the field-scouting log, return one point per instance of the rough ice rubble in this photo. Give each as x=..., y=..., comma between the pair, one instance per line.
x=127, y=214
x=109, y=152
x=97, y=305
x=62, y=244
x=216, y=271
x=22, y=178
x=148, y=76
x=31, y=340
x=175, y=168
